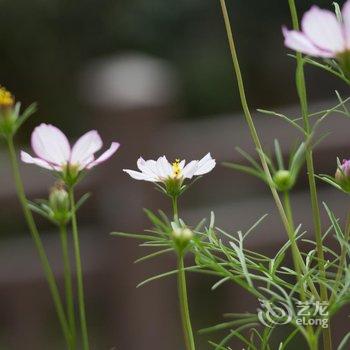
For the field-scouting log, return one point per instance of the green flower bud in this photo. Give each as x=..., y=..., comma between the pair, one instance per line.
x=283, y=180
x=182, y=237
x=59, y=203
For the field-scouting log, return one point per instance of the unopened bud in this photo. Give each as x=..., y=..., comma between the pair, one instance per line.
x=59, y=202
x=283, y=180
x=342, y=175
x=182, y=236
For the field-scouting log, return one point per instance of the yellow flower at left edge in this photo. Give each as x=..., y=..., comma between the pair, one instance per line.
x=8, y=116
x=7, y=100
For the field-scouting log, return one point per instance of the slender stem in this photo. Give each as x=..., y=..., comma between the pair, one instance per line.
x=289, y=213
x=185, y=313
x=301, y=88
x=313, y=343
x=175, y=208
x=309, y=334
x=342, y=259
x=68, y=282
x=39, y=245
x=249, y=119
x=79, y=272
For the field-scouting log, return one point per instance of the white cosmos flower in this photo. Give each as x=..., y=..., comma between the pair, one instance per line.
x=161, y=170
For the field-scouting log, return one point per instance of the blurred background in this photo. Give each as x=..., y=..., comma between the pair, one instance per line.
x=157, y=77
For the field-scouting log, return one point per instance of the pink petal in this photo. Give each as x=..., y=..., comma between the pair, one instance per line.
x=50, y=144
x=27, y=158
x=346, y=20
x=104, y=156
x=84, y=149
x=299, y=42
x=324, y=30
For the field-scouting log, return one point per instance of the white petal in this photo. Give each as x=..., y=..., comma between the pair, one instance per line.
x=104, y=156
x=324, y=30
x=147, y=166
x=27, y=158
x=205, y=165
x=164, y=167
x=190, y=169
x=182, y=164
x=85, y=148
x=153, y=167
x=139, y=176
x=50, y=144
x=346, y=20
x=299, y=42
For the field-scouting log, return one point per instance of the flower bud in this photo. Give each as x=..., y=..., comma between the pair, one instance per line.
x=283, y=180
x=59, y=203
x=182, y=236
x=8, y=116
x=342, y=175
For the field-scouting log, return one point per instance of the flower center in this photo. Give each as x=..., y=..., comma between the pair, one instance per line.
x=6, y=98
x=176, y=169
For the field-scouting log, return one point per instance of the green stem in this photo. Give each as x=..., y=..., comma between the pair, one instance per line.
x=39, y=245
x=249, y=119
x=185, y=313
x=342, y=260
x=80, y=283
x=301, y=88
x=309, y=334
x=68, y=282
x=175, y=208
x=289, y=213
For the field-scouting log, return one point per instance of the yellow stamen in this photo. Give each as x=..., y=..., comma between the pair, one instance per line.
x=176, y=168
x=6, y=98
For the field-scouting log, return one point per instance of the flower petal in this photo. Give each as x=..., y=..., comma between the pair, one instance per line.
x=140, y=176
x=147, y=167
x=50, y=144
x=104, y=156
x=27, y=158
x=164, y=167
x=299, y=42
x=84, y=149
x=346, y=20
x=324, y=30
x=205, y=165
x=190, y=169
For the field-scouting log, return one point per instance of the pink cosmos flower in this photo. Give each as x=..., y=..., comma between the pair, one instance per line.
x=54, y=152
x=322, y=35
